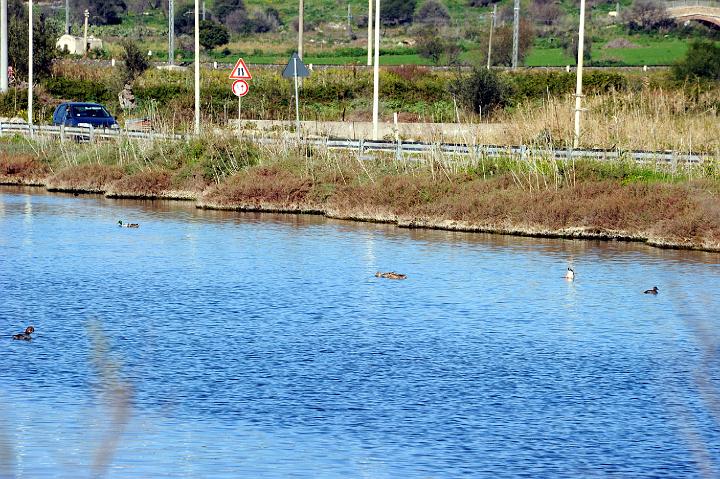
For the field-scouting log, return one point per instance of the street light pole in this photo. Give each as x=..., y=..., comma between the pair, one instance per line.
x=376, y=72
x=578, y=88
x=171, y=32
x=301, y=27
x=197, y=67
x=30, y=65
x=370, y=30
x=492, y=27
x=516, y=34
x=3, y=47
x=67, y=17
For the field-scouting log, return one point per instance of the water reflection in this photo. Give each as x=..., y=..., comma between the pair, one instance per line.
x=261, y=345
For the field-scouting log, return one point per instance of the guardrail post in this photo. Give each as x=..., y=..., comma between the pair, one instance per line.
x=1, y=128
x=92, y=133
x=62, y=133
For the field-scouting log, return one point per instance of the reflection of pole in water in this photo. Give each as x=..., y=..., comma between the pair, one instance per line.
x=118, y=398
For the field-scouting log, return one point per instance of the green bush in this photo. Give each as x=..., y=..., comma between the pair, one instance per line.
x=702, y=61
x=481, y=91
x=78, y=90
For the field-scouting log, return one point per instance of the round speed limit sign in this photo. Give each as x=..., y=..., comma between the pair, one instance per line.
x=240, y=88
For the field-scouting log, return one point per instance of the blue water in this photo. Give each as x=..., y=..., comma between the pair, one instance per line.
x=226, y=345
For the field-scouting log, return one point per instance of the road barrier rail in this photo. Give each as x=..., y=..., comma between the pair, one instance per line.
x=399, y=148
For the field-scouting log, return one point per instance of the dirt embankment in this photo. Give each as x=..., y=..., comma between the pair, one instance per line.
x=677, y=215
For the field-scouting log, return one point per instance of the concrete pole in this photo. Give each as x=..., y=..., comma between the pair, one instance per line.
x=3, y=47
x=30, y=64
x=67, y=17
x=578, y=88
x=370, y=30
x=171, y=32
x=516, y=34
x=301, y=27
x=297, y=101
x=197, y=67
x=203, y=16
x=376, y=72
x=85, y=35
x=492, y=27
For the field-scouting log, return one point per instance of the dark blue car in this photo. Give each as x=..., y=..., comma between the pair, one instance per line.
x=83, y=114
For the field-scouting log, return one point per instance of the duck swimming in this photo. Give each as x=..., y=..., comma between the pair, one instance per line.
x=390, y=275
x=652, y=291
x=26, y=335
x=128, y=225
x=570, y=275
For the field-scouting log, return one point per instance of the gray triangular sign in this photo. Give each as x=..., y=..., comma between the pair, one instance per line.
x=302, y=70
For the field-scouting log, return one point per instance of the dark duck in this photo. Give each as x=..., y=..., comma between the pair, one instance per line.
x=26, y=336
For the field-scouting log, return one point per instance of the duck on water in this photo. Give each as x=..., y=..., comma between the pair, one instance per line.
x=26, y=336
x=128, y=225
x=390, y=275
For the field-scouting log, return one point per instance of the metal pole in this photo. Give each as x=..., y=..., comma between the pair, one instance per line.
x=171, y=32
x=203, y=11
x=301, y=27
x=492, y=27
x=516, y=34
x=3, y=47
x=197, y=67
x=578, y=89
x=85, y=35
x=370, y=30
x=297, y=100
x=30, y=65
x=67, y=17
x=376, y=72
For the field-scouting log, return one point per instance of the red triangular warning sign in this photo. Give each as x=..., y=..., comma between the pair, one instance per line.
x=240, y=72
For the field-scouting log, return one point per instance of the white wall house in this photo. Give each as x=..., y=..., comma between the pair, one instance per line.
x=74, y=45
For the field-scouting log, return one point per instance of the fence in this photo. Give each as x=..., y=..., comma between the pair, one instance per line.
x=362, y=146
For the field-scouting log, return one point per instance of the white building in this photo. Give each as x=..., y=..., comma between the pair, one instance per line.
x=74, y=45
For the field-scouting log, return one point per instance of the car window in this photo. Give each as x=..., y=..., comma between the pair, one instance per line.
x=89, y=111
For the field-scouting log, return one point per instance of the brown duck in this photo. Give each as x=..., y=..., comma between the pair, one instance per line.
x=390, y=275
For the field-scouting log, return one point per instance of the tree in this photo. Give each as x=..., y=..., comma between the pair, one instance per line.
x=135, y=61
x=397, y=12
x=647, y=16
x=546, y=12
x=45, y=32
x=503, y=43
x=702, y=61
x=223, y=8
x=102, y=12
x=481, y=91
x=433, y=13
x=435, y=47
x=212, y=34
x=184, y=19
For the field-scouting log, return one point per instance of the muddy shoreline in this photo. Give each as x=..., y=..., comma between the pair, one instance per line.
x=198, y=197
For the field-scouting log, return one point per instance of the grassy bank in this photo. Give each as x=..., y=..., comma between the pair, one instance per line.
x=665, y=206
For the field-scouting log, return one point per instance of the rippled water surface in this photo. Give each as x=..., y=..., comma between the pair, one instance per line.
x=226, y=345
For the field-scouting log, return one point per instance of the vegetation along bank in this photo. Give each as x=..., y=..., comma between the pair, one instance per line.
x=663, y=205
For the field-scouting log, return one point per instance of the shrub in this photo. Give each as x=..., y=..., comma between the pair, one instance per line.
x=481, y=91
x=647, y=16
x=135, y=61
x=212, y=34
x=433, y=12
x=78, y=90
x=397, y=12
x=702, y=61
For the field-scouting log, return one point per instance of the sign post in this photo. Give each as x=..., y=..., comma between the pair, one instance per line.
x=296, y=69
x=240, y=87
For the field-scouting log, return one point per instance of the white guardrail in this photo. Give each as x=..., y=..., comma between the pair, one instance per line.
x=397, y=147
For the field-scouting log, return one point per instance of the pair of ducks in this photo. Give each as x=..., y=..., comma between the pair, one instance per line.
x=26, y=336
x=128, y=225
x=570, y=276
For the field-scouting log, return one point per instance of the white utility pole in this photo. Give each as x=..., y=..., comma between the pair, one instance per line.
x=203, y=17
x=3, y=47
x=301, y=26
x=492, y=27
x=578, y=89
x=171, y=32
x=297, y=100
x=30, y=65
x=376, y=72
x=516, y=34
x=197, y=67
x=85, y=35
x=67, y=17
x=370, y=30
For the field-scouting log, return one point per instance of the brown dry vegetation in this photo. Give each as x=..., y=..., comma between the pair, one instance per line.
x=21, y=168
x=671, y=205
